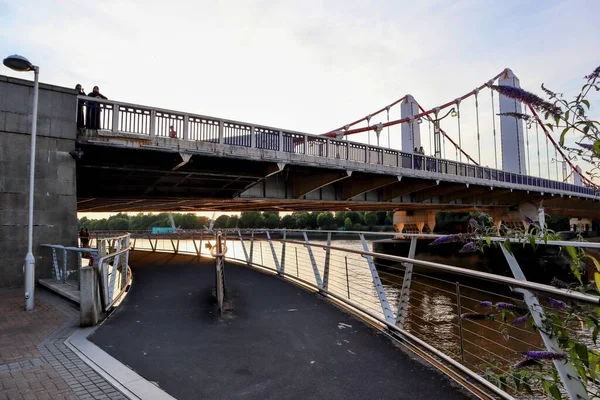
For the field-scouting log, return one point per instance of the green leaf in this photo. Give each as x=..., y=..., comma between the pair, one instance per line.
x=562, y=136
x=549, y=125
x=567, y=116
x=594, y=260
x=597, y=279
x=507, y=245
x=557, y=120
x=488, y=240
x=587, y=103
x=597, y=147
x=553, y=390
x=582, y=353
x=576, y=272
x=572, y=252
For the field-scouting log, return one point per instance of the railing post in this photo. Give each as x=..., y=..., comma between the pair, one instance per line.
x=275, y=260
x=252, y=247
x=347, y=276
x=186, y=127
x=385, y=305
x=327, y=144
x=221, y=132
x=283, y=252
x=115, y=118
x=326, y=267
x=57, y=274
x=405, y=292
x=152, y=132
x=243, y=248
x=367, y=154
x=313, y=262
x=297, y=269
x=252, y=141
x=65, y=260
x=125, y=262
x=305, y=144
x=280, y=140
x=569, y=377
x=220, y=276
x=460, y=332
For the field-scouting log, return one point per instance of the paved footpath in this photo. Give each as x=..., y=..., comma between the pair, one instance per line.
x=35, y=364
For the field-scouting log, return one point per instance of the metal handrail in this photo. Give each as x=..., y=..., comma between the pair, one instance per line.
x=100, y=273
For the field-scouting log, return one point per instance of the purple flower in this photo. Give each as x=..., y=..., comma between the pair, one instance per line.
x=520, y=320
x=516, y=115
x=469, y=248
x=528, y=362
x=454, y=238
x=558, y=283
x=558, y=304
x=544, y=355
x=485, y=304
x=586, y=146
x=594, y=74
x=510, y=307
x=528, y=98
x=474, y=224
x=474, y=316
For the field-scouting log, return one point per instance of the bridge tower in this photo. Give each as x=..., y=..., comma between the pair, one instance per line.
x=411, y=132
x=512, y=132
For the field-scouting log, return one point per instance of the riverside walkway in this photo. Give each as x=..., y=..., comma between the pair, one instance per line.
x=276, y=341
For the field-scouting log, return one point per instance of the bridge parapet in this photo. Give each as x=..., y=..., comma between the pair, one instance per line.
x=136, y=126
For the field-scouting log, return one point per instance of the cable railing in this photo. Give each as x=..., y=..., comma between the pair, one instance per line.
x=425, y=303
x=119, y=118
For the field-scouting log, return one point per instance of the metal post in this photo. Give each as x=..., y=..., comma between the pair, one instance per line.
x=152, y=123
x=569, y=377
x=405, y=292
x=220, y=279
x=460, y=332
x=385, y=305
x=186, y=127
x=283, y=253
x=326, y=267
x=221, y=131
x=115, y=118
x=252, y=248
x=29, y=259
x=65, y=260
x=243, y=248
x=297, y=270
x=261, y=255
x=312, y=261
x=347, y=277
x=275, y=260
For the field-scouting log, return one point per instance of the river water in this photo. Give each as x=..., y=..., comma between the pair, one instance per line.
x=433, y=310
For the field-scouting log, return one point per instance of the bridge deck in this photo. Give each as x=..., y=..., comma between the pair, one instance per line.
x=278, y=341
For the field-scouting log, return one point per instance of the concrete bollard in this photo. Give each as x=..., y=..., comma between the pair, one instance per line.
x=89, y=302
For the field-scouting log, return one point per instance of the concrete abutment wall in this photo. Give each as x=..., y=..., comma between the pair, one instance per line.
x=55, y=199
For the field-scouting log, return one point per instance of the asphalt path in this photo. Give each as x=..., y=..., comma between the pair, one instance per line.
x=277, y=341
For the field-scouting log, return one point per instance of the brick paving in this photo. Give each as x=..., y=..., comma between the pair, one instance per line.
x=35, y=364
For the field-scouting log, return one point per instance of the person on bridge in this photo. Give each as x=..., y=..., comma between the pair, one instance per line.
x=417, y=159
x=80, y=103
x=93, y=109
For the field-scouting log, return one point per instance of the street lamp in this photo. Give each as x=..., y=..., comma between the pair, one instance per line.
x=437, y=143
x=21, y=64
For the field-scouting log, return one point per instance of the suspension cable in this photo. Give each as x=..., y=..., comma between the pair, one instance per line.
x=527, y=142
x=388, y=128
x=548, y=156
x=458, y=154
x=477, y=116
x=537, y=134
x=556, y=162
x=494, y=124
x=430, y=138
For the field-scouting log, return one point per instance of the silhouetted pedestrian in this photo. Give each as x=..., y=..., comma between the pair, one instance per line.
x=93, y=109
x=80, y=103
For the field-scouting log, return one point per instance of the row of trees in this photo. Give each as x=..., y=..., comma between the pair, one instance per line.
x=446, y=222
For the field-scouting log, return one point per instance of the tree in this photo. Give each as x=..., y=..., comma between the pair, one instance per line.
x=222, y=222
x=302, y=220
x=348, y=224
x=325, y=220
x=339, y=218
x=251, y=219
x=271, y=220
x=371, y=218
x=118, y=224
x=233, y=222
x=354, y=217
x=288, y=222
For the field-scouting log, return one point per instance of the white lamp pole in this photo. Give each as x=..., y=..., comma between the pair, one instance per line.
x=19, y=63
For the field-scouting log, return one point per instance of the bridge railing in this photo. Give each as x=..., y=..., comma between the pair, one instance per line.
x=120, y=117
x=476, y=322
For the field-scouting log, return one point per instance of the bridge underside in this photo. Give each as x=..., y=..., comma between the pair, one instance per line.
x=123, y=178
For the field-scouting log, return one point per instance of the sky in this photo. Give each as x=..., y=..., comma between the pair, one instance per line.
x=308, y=66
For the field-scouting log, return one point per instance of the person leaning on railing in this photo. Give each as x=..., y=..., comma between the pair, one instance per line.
x=93, y=109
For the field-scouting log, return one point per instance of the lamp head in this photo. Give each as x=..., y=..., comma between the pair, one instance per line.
x=453, y=112
x=18, y=63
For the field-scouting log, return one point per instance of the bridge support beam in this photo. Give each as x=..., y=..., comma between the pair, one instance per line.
x=363, y=184
x=411, y=137
x=418, y=218
x=512, y=132
x=304, y=186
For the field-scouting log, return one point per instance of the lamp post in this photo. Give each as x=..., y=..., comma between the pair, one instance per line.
x=21, y=64
x=437, y=143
